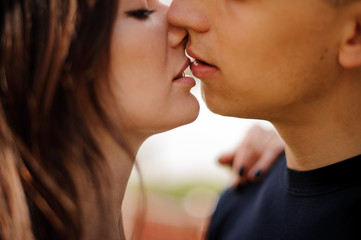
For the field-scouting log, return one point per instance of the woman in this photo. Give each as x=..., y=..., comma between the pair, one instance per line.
x=83, y=84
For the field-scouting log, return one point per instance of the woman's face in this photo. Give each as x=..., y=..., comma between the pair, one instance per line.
x=146, y=65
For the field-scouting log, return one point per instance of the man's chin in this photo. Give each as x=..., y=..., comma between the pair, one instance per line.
x=224, y=108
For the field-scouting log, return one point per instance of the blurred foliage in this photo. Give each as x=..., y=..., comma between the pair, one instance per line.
x=181, y=190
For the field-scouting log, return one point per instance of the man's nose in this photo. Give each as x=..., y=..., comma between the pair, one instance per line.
x=188, y=14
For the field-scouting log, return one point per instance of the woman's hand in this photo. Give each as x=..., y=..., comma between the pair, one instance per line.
x=255, y=155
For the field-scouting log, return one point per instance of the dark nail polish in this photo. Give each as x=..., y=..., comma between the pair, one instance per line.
x=257, y=173
x=239, y=187
x=241, y=172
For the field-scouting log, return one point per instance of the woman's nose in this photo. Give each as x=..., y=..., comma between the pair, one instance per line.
x=188, y=14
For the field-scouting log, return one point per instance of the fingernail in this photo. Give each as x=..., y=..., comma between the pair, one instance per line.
x=257, y=173
x=241, y=172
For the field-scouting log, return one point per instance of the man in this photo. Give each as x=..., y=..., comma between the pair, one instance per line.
x=296, y=64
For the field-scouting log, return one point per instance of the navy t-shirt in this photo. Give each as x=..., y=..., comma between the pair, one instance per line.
x=319, y=204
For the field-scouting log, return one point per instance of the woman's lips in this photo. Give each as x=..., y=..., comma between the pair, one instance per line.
x=182, y=79
x=186, y=81
x=203, y=70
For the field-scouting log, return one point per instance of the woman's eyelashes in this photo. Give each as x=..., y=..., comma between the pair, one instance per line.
x=141, y=13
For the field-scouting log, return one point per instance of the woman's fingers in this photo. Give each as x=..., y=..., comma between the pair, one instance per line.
x=226, y=159
x=255, y=155
x=265, y=162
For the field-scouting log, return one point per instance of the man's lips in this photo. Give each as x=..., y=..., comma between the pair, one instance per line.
x=203, y=70
x=200, y=68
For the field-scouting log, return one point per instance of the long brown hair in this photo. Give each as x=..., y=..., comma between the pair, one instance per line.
x=52, y=52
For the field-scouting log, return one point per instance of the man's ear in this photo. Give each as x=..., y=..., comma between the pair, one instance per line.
x=350, y=47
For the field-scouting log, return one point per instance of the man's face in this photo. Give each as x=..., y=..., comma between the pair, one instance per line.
x=269, y=58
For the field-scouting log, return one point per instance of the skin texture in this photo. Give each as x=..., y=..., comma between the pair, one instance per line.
x=280, y=61
x=260, y=48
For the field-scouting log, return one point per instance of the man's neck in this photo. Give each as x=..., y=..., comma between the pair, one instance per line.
x=324, y=133
x=312, y=147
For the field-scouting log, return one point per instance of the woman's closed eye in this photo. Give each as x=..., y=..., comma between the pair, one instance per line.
x=141, y=14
